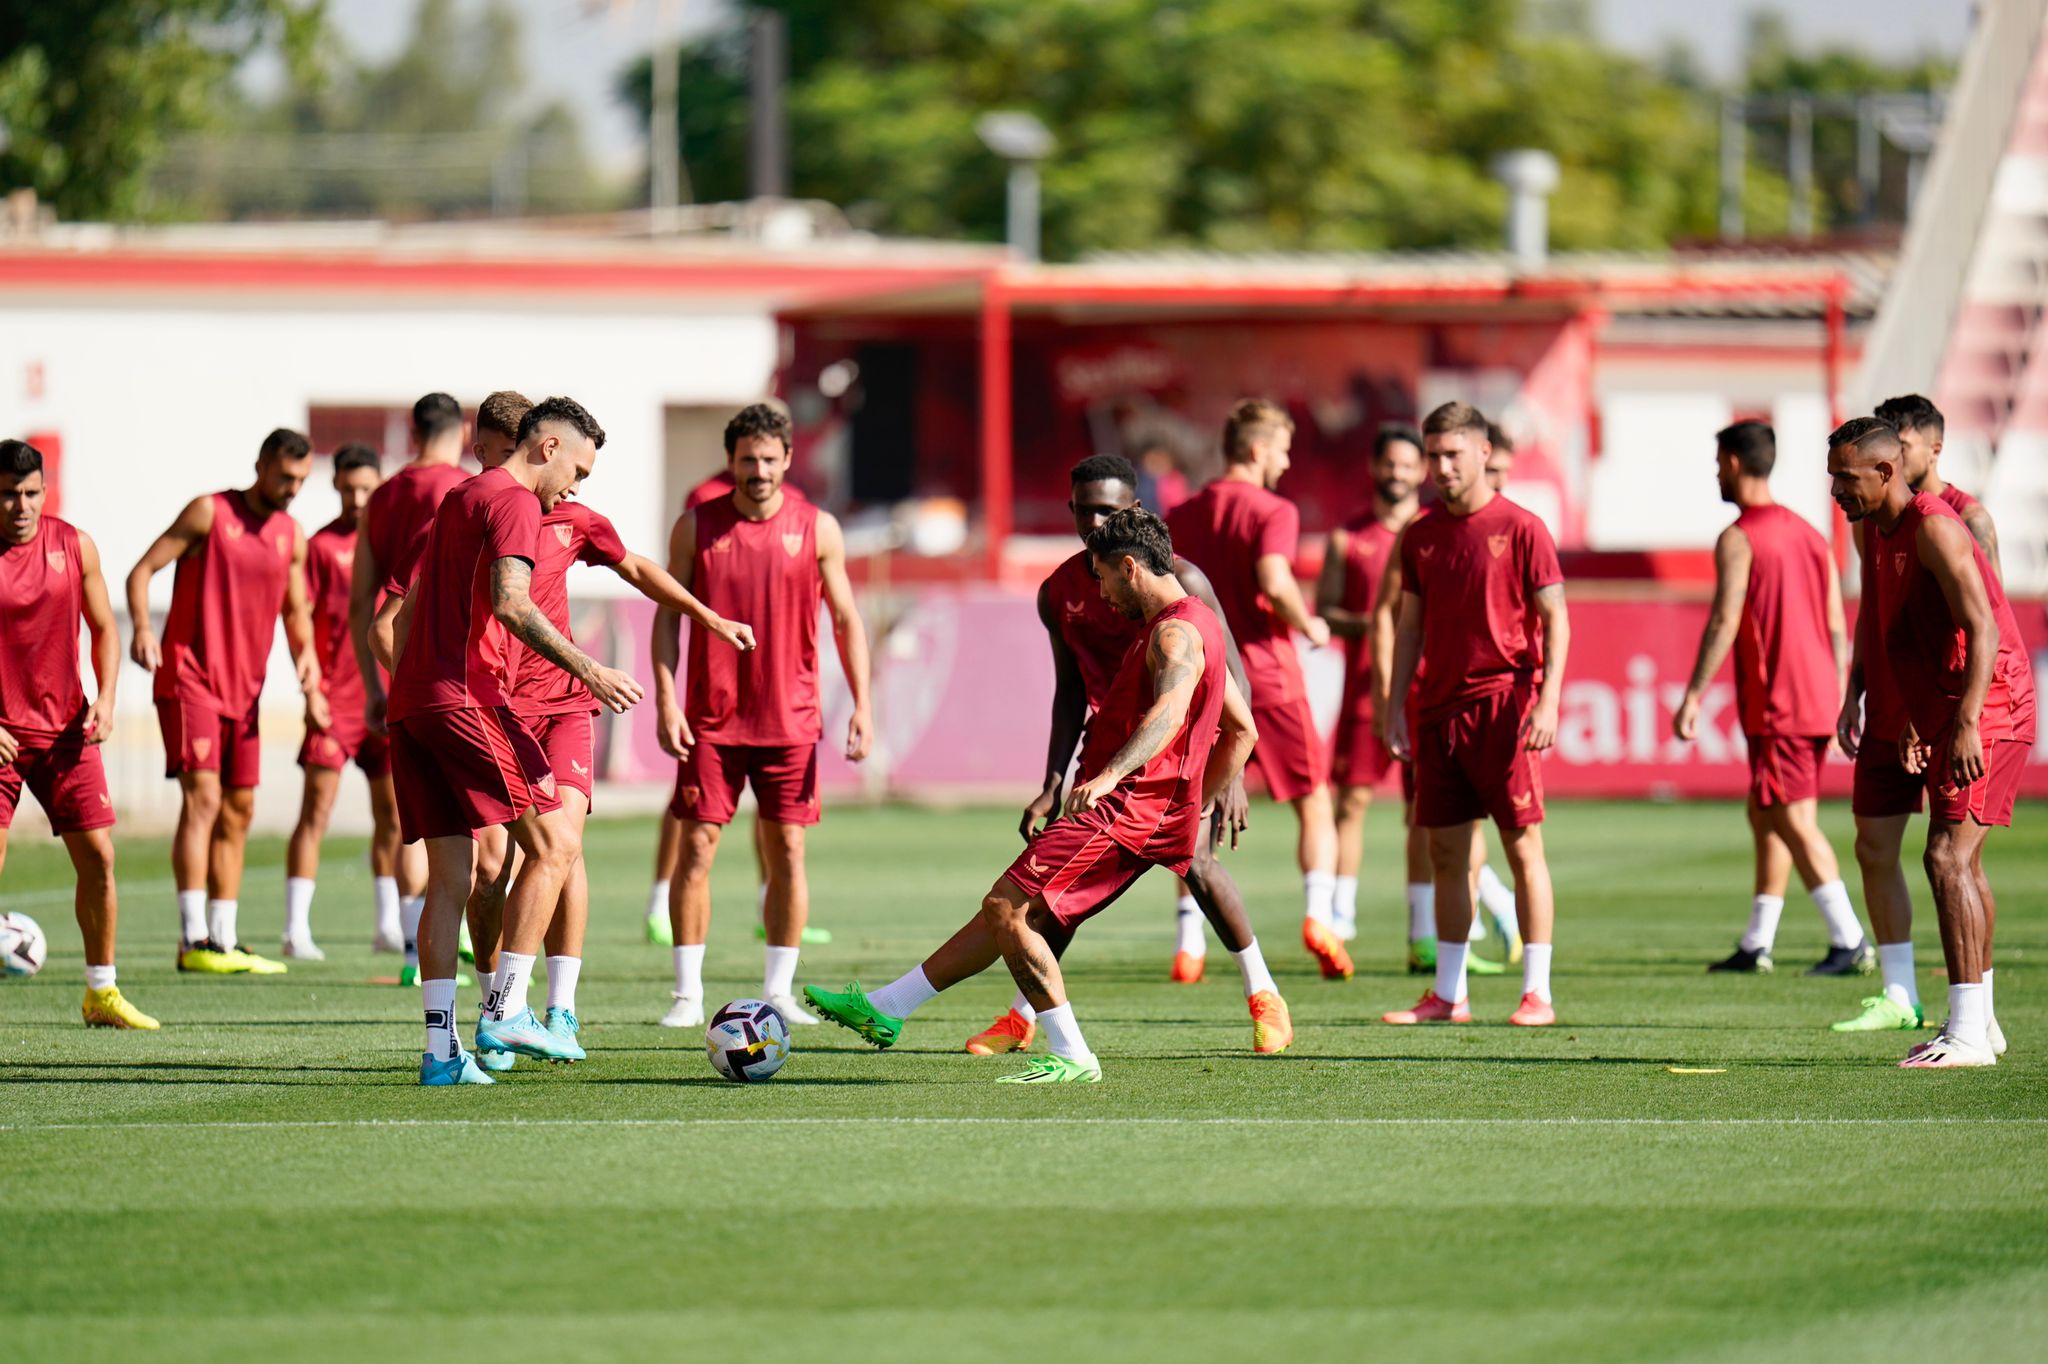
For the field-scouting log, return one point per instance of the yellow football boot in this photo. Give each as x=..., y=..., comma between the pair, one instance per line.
x=107, y=1009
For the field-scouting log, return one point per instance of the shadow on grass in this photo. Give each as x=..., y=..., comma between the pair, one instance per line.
x=713, y=1082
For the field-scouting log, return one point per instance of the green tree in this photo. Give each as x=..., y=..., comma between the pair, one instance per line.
x=90, y=90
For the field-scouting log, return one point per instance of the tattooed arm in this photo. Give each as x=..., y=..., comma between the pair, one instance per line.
x=512, y=604
x=1174, y=658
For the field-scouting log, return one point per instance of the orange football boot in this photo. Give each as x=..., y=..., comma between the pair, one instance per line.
x=1431, y=1009
x=1187, y=968
x=1534, y=1013
x=1327, y=948
x=1012, y=1032
x=1272, y=1028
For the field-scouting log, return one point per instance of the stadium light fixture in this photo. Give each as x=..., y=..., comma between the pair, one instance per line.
x=1020, y=139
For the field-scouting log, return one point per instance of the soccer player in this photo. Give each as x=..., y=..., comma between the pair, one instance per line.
x=1483, y=601
x=461, y=759
x=753, y=718
x=1243, y=535
x=241, y=564
x=1885, y=795
x=1959, y=672
x=330, y=554
x=49, y=736
x=1089, y=639
x=393, y=528
x=1778, y=604
x=1172, y=733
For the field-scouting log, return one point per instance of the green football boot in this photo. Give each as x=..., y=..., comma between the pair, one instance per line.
x=849, y=1008
x=1476, y=965
x=1882, y=1013
x=409, y=975
x=1421, y=956
x=660, y=932
x=1055, y=1070
x=812, y=937
x=463, y=949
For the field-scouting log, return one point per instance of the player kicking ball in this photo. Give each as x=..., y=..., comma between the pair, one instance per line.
x=1173, y=732
x=49, y=736
x=1482, y=602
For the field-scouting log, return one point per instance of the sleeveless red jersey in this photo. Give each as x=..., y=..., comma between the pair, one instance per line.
x=401, y=513
x=1883, y=715
x=570, y=534
x=42, y=601
x=1785, y=678
x=718, y=485
x=764, y=573
x=1477, y=577
x=1367, y=547
x=1156, y=811
x=330, y=561
x=1096, y=633
x=1926, y=652
x=225, y=602
x=1225, y=530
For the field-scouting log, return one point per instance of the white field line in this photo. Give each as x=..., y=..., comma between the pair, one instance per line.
x=377, y=1123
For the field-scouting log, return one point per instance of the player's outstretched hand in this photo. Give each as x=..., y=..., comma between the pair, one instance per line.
x=615, y=690
x=1966, y=754
x=740, y=636
x=1318, y=631
x=1396, y=725
x=1539, y=731
x=1042, y=807
x=1237, y=809
x=1085, y=794
x=143, y=649
x=10, y=748
x=99, y=720
x=1685, y=724
x=672, y=732
x=1849, y=728
x=860, y=735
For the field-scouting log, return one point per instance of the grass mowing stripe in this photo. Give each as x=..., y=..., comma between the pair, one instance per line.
x=907, y=1121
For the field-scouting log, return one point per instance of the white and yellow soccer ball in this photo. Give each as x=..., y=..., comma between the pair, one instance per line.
x=747, y=1041
x=23, y=948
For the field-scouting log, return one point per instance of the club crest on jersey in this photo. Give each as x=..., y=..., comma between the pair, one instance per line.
x=1899, y=564
x=546, y=785
x=1498, y=544
x=345, y=557
x=792, y=541
x=564, y=534
x=56, y=558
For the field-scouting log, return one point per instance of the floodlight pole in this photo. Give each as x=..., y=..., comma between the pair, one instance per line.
x=1022, y=227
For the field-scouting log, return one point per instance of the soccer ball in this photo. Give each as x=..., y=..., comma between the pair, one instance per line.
x=747, y=1041
x=23, y=947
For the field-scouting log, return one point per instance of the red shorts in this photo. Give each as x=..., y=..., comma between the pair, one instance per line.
x=1883, y=787
x=1470, y=764
x=1357, y=757
x=1291, y=757
x=199, y=738
x=1987, y=800
x=1077, y=868
x=1785, y=767
x=784, y=778
x=570, y=744
x=67, y=779
x=458, y=771
x=347, y=738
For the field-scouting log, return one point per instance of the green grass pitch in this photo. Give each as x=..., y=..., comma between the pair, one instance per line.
x=263, y=1180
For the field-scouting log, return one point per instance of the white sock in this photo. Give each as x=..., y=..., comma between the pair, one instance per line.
x=1450, y=970
x=1895, y=959
x=410, y=908
x=562, y=973
x=515, y=973
x=1187, y=926
x=486, y=981
x=298, y=907
x=1346, y=899
x=385, y=890
x=1477, y=933
x=1251, y=964
x=1498, y=899
x=1832, y=900
x=1969, y=1014
x=690, y=970
x=657, y=900
x=1020, y=1006
x=1063, y=1034
x=99, y=977
x=220, y=921
x=1318, y=893
x=437, y=998
x=1764, y=913
x=192, y=916
x=778, y=971
x=908, y=993
x=1536, y=970
x=1421, y=910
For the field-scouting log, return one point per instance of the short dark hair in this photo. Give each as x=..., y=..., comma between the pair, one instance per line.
x=355, y=455
x=1138, y=533
x=1870, y=435
x=565, y=410
x=759, y=419
x=1455, y=417
x=19, y=458
x=1754, y=445
x=433, y=415
x=1391, y=432
x=285, y=443
x=1103, y=469
x=1911, y=412
x=1498, y=437
x=503, y=411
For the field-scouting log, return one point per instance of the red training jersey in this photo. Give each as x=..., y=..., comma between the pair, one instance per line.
x=1096, y=633
x=225, y=601
x=764, y=573
x=1477, y=577
x=1225, y=530
x=1785, y=678
x=42, y=600
x=1884, y=717
x=1926, y=652
x=330, y=562
x=1156, y=811
x=457, y=654
x=718, y=485
x=1367, y=546
x=399, y=516
x=570, y=534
